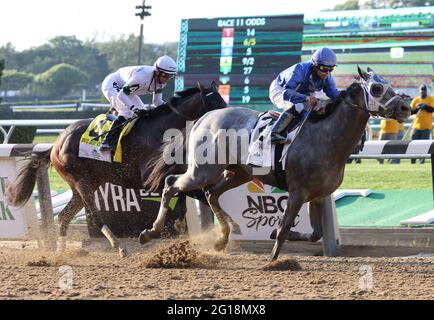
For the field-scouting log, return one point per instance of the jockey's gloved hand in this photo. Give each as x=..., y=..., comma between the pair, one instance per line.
x=312, y=101
x=320, y=106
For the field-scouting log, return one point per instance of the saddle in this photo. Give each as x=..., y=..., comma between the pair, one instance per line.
x=262, y=153
x=93, y=137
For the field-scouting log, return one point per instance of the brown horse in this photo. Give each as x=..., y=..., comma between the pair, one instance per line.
x=84, y=175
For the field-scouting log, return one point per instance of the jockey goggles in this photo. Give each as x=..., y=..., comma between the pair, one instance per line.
x=324, y=68
x=165, y=75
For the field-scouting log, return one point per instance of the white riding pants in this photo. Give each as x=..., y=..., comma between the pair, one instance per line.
x=111, y=93
x=276, y=97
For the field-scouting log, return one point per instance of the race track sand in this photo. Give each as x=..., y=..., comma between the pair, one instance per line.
x=181, y=269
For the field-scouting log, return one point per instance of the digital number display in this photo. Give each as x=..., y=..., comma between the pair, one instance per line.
x=242, y=54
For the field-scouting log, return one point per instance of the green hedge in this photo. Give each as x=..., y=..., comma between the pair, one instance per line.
x=21, y=135
x=53, y=102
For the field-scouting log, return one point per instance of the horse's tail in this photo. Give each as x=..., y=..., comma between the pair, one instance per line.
x=20, y=190
x=159, y=168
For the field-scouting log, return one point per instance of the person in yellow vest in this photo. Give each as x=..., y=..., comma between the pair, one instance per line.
x=423, y=108
x=389, y=129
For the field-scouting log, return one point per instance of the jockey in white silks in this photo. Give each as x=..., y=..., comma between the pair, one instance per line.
x=124, y=87
x=293, y=89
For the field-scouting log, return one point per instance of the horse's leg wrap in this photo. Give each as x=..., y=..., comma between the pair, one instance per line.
x=61, y=245
x=123, y=252
x=158, y=225
x=231, y=178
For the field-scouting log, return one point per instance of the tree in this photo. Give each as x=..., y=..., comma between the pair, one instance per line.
x=2, y=65
x=98, y=59
x=380, y=4
x=16, y=80
x=61, y=49
x=8, y=54
x=347, y=5
x=60, y=80
x=122, y=51
x=85, y=56
x=384, y=4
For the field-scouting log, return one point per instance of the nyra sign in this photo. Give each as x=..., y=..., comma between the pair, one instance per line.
x=127, y=211
x=257, y=210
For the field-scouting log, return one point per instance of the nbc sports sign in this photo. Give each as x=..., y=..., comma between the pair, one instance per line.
x=256, y=210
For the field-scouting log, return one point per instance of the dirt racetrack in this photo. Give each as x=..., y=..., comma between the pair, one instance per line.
x=178, y=269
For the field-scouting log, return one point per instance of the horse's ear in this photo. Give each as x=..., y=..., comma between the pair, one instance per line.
x=214, y=86
x=362, y=74
x=200, y=86
x=370, y=70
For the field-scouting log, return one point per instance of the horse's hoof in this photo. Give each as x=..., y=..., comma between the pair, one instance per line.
x=219, y=246
x=145, y=237
x=123, y=252
x=50, y=246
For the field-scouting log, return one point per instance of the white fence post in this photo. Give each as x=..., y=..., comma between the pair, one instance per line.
x=44, y=192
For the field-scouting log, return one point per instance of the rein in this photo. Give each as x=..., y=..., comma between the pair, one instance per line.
x=174, y=110
x=367, y=97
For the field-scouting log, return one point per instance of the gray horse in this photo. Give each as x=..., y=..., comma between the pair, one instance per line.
x=314, y=166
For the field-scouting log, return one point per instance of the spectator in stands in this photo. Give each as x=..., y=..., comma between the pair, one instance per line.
x=423, y=108
x=389, y=131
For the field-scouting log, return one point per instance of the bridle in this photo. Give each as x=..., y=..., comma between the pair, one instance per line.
x=371, y=103
x=202, y=106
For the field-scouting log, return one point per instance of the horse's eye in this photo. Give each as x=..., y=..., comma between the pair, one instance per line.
x=377, y=89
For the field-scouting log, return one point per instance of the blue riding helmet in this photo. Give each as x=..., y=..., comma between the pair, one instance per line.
x=324, y=56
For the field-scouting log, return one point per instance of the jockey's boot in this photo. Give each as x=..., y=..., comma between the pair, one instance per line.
x=111, y=138
x=279, y=126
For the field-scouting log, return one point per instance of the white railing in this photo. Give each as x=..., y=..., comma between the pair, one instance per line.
x=48, y=106
x=78, y=105
x=13, y=123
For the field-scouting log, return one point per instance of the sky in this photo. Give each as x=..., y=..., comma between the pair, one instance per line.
x=29, y=23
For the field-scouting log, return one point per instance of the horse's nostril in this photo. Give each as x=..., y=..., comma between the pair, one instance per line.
x=404, y=108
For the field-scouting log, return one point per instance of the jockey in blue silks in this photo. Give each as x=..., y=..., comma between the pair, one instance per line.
x=293, y=89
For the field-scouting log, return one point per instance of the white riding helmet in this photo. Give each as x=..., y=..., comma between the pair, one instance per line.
x=165, y=64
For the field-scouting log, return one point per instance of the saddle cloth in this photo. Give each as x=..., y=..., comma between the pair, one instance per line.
x=261, y=152
x=89, y=147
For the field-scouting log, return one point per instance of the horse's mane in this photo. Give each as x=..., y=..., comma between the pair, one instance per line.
x=332, y=105
x=181, y=95
x=175, y=101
